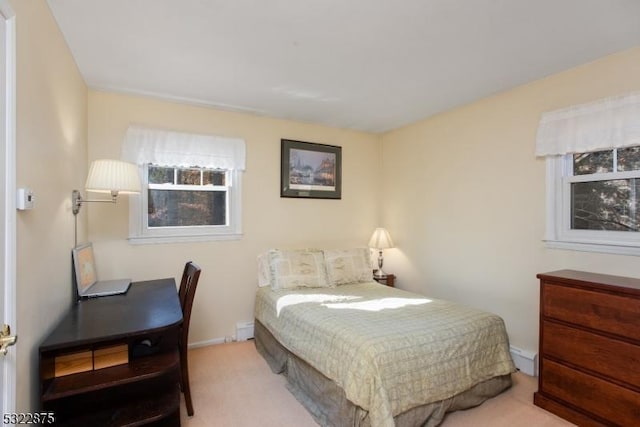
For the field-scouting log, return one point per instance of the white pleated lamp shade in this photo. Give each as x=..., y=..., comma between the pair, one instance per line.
x=380, y=239
x=113, y=176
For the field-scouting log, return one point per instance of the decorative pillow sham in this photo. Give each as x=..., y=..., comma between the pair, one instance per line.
x=263, y=269
x=297, y=268
x=348, y=266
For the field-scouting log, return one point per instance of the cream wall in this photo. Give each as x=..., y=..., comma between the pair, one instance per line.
x=51, y=150
x=465, y=197
x=227, y=285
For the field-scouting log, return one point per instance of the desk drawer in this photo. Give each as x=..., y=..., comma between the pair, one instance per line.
x=609, y=401
x=609, y=357
x=616, y=314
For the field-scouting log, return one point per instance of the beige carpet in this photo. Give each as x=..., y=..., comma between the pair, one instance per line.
x=232, y=386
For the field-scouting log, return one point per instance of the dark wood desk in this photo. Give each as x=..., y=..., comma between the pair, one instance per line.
x=146, y=323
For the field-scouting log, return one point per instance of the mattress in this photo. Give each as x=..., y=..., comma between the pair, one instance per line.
x=389, y=350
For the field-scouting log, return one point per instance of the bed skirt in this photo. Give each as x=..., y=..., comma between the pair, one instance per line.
x=328, y=405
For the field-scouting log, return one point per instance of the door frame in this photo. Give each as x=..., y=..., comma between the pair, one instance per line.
x=8, y=365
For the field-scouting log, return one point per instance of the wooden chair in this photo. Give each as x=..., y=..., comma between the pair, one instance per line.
x=186, y=293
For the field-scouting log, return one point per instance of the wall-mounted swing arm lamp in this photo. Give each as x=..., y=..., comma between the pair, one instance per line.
x=107, y=176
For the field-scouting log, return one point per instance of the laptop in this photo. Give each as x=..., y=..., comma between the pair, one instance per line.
x=86, y=276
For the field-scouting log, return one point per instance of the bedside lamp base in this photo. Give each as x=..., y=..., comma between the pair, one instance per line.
x=379, y=273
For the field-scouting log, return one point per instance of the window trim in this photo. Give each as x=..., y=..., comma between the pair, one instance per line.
x=140, y=233
x=558, y=234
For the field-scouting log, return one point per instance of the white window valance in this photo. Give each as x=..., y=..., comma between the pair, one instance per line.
x=604, y=124
x=169, y=148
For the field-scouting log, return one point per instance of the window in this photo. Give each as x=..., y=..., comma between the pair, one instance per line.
x=604, y=190
x=596, y=201
x=592, y=154
x=191, y=186
x=186, y=197
x=186, y=204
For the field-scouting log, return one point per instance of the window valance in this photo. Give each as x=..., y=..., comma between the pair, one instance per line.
x=169, y=148
x=604, y=124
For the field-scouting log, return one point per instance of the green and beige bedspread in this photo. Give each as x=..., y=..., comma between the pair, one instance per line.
x=390, y=350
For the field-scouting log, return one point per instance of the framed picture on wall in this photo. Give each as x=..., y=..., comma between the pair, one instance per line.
x=310, y=170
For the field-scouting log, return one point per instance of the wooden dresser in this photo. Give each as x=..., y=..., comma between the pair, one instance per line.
x=590, y=348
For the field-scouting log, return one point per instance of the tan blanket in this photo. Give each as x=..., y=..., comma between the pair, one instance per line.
x=390, y=350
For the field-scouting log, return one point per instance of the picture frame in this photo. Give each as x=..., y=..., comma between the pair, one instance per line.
x=84, y=266
x=310, y=170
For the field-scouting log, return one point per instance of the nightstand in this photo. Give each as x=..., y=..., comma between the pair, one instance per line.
x=389, y=280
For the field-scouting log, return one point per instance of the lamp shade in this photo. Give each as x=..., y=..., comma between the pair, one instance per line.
x=113, y=176
x=380, y=239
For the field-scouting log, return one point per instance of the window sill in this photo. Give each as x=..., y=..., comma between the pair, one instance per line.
x=593, y=247
x=152, y=240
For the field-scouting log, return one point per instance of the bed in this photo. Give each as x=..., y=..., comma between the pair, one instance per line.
x=358, y=353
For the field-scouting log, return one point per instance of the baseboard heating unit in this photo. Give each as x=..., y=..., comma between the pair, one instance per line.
x=244, y=331
x=526, y=361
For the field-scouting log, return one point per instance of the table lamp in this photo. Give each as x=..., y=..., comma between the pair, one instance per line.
x=380, y=240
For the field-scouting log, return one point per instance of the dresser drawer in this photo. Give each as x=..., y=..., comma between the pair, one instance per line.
x=608, y=401
x=613, y=358
x=616, y=314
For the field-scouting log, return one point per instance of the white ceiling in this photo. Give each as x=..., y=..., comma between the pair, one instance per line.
x=371, y=65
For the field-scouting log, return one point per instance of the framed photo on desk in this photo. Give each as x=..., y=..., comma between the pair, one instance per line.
x=84, y=266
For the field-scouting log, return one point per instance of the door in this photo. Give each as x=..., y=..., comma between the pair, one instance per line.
x=7, y=203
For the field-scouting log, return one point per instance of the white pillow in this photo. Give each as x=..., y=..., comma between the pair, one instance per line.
x=348, y=266
x=297, y=268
